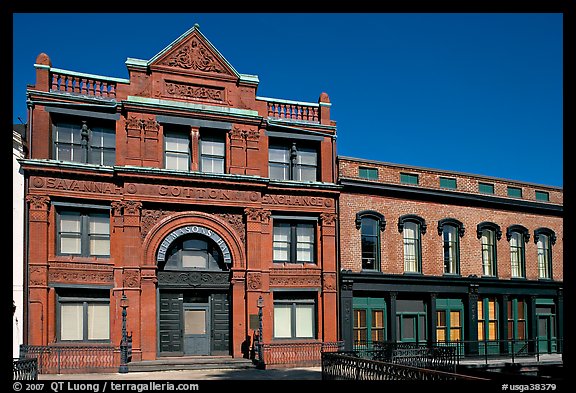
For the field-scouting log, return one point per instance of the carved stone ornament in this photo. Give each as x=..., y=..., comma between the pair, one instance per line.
x=328, y=219
x=151, y=125
x=132, y=207
x=253, y=135
x=254, y=281
x=71, y=276
x=194, y=55
x=38, y=202
x=237, y=133
x=132, y=123
x=237, y=223
x=131, y=279
x=194, y=279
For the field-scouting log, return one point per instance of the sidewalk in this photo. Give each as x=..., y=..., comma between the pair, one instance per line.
x=309, y=373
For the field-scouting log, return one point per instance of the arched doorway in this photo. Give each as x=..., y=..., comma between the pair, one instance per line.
x=194, y=293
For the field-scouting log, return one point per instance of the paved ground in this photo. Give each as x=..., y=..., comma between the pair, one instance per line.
x=310, y=373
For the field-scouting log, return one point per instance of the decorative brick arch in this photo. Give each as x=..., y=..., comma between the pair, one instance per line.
x=168, y=224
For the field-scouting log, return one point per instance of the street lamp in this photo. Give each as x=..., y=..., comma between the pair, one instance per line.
x=124, y=343
x=260, y=305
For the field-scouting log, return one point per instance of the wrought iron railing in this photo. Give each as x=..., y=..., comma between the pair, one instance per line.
x=25, y=369
x=297, y=353
x=462, y=350
x=62, y=359
x=341, y=366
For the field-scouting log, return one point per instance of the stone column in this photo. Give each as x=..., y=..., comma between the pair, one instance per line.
x=471, y=315
x=38, y=217
x=328, y=263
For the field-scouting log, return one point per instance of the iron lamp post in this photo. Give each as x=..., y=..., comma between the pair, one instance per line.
x=124, y=343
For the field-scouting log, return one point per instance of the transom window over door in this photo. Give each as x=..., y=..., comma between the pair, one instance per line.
x=194, y=252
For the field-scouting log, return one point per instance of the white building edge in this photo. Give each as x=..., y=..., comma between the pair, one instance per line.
x=18, y=205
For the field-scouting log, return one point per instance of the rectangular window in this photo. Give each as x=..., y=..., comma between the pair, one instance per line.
x=516, y=310
x=517, y=254
x=294, y=242
x=91, y=141
x=294, y=318
x=451, y=262
x=292, y=162
x=411, y=234
x=542, y=196
x=544, y=252
x=370, y=238
x=487, y=319
x=83, y=232
x=408, y=178
x=85, y=317
x=488, y=253
x=449, y=183
x=360, y=328
x=368, y=173
x=514, y=192
x=486, y=188
x=212, y=156
x=177, y=150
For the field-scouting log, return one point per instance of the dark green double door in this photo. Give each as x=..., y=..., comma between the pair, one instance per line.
x=194, y=323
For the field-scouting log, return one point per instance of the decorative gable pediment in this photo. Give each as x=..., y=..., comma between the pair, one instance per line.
x=192, y=53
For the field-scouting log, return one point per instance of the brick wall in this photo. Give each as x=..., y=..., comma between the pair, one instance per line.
x=392, y=261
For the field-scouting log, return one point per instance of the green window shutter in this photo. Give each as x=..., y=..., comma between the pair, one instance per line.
x=514, y=192
x=446, y=182
x=542, y=196
x=368, y=173
x=408, y=178
x=486, y=188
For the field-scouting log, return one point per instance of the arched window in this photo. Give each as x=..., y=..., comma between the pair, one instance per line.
x=412, y=227
x=194, y=252
x=517, y=235
x=451, y=231
x=489, y=233
x=544, y=239
x=370, y=223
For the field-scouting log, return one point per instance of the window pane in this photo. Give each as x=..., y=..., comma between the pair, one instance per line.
x=441, y=318
x=70, y=222
x=176, y=143
x=305, y=253
x=99, y=224
x=305, y=233
x=377, y=318
x=194, y=321
x=279, y=154
x=492, y=309
x=481, y=330
x=99, y=246
x=194, y=259
x=71, y=321
x=177, y=161
x=408, y=331
x=98, y=321
x=455, y=334
x=212, y=146
x=306, y=156
x=542, y=196
x=492, y=331
x=441, y=334
x=70, y=244
x=447, y=183
x=212, y=165
x=455, y=319
x=282, y=321
x=282, y=240
x=306, y=173
x=279, y=172
x=360, y=318
x=305, y=320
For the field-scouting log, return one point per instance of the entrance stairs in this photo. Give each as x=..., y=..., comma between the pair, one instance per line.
x=190, y=363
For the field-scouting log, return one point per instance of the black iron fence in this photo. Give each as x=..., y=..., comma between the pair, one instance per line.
x=345, y=366
x=25, y=369
x=485, y=350
x=62, y=359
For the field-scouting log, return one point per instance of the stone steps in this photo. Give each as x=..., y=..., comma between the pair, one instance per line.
x=190, y=363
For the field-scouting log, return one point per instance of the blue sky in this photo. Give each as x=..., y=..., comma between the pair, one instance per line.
x=474, y=92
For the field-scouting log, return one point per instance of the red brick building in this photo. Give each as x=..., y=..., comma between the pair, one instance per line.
x=188, y=193
x=438, y=256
